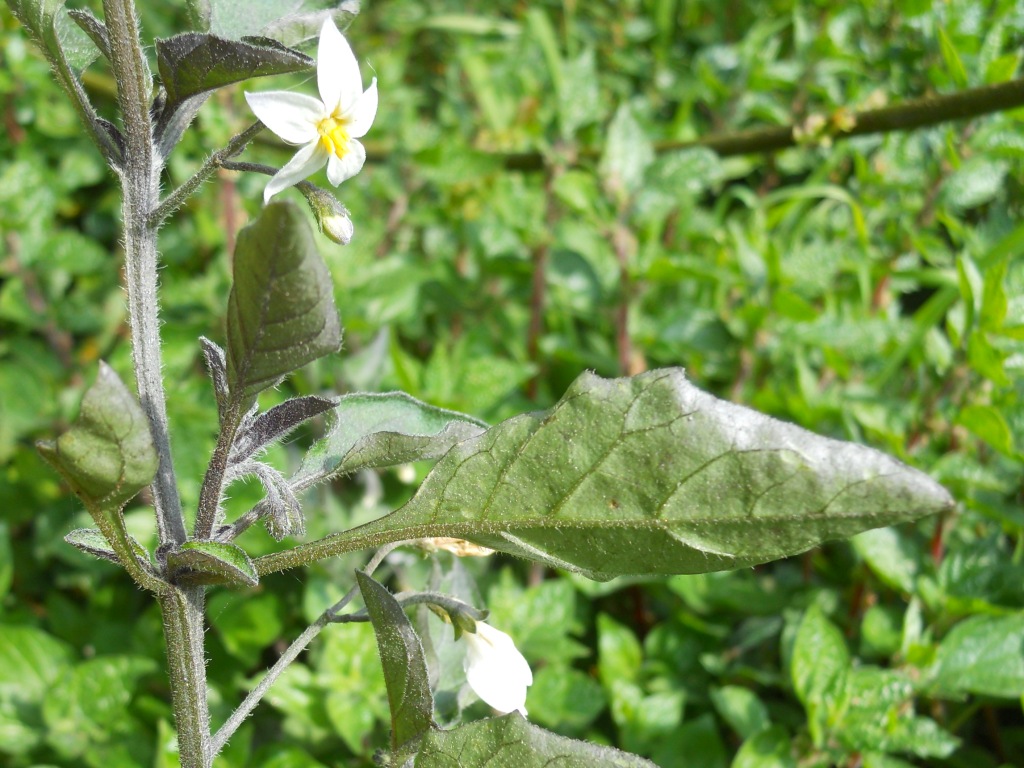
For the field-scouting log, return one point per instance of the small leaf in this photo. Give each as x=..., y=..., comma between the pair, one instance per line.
x=107, y=456
x=194, y=62
x=627, y=153
x=276, y=423
x=93, y=542
x=47, y=21
x=511, y=740
x=983, y=654
x=405, y=668
x=301, y=20
x=281, y=312
x=93, y=27
x=649, y=475
x=988, y=423
x=820, y=665
x=285, y=517
x=952, y=59
x=378, y=430
x=217, y=365
x=212, y=562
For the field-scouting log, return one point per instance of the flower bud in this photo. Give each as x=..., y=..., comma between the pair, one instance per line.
x=496, y=670
x=330, y=214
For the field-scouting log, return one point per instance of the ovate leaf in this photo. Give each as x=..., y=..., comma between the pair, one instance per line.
x=211, y=562
x=405, y=668
x=649, y=475
x=627, y=153
x=511, y=740
x=820, y=666
x=983, y=654
x=377, y=430
x=107, y=456
x=194, y=62
x=281, y=312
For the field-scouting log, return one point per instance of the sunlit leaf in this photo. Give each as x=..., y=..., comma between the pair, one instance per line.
x=650, y=475
x=281, y=312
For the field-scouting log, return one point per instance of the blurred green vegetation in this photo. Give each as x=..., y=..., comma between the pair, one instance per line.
x=868, y=289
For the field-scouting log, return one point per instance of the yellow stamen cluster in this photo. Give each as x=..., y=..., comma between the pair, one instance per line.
x=333, y=135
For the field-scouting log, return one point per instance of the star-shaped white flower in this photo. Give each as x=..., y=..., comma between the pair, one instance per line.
x=496, y=670
x=327, y=128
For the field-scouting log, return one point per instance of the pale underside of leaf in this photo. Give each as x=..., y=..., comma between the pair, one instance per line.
x=649, y=475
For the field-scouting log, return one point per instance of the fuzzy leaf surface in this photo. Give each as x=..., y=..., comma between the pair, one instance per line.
x=278, y=422
x=512, y=741
x=281, y=312
x=649, y=475
x=405, y=667
x=288, y=21
x=212, y=562
x=107, y=457
x=93, y=542
x=379, y=430
x=194, y=62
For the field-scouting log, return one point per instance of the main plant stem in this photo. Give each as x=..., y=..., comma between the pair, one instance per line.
x=183, y=609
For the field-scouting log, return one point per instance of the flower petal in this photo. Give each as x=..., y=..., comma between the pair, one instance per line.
x=359, y=117
x=337, y=71
x=341, y=168
x=496, y=670
x=292, y=116
x=308, y=160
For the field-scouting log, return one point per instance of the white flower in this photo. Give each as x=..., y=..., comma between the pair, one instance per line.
x=496, y=670
x=327, y=128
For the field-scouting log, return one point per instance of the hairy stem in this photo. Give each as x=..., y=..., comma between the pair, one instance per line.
x=216, y=160
x=213, y=481
x=140, y=184
x=183, y=627
x=291, y=653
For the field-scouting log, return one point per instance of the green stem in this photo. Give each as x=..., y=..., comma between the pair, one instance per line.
x=216, y=160
x=186, y=665
x=213, y=481
x=140, y=177
x=290, y=654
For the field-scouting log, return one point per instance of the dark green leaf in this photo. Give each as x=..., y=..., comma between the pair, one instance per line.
x=211, y=562
x=107, y=456
x=194, y=62
x=650, y=475
x=405, y=668
x=377, y=430
x=984, y=654
x=290, y=23
x=281, y=312
x=276, y=423
x=512, y=741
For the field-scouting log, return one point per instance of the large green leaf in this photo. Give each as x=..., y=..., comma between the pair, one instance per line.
x=30, y=661
x=281, y=312
x=401, y=656
x=984, y=654
x=288, y=21
x=512, y=741
x=193, y=63
x=62, y=40
x=376, y=430
x=648, y=475
x=107, y=456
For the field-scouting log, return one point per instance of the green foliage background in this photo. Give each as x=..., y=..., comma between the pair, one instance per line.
x=869, y=290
